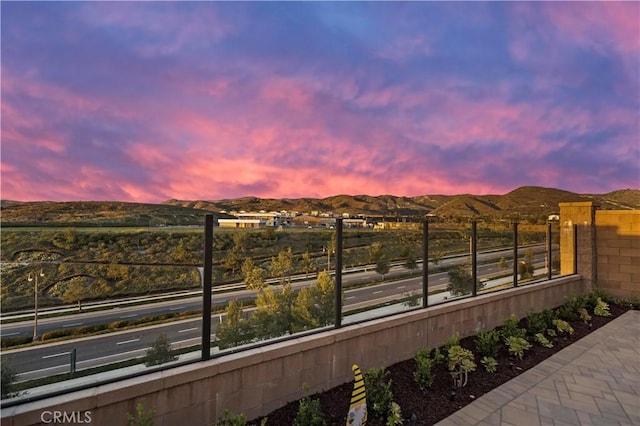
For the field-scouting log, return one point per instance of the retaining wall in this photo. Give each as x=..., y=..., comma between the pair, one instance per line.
x=257, y=381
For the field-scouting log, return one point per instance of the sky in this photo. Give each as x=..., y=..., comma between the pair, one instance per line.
x=150, y=101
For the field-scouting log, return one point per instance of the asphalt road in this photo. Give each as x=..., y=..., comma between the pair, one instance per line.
x=48, y=359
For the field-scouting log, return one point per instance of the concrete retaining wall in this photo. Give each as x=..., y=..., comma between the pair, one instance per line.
x=257, y=381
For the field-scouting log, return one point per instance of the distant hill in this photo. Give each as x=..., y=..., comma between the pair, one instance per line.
x=525, y=201
x=98, y=213
x=531, y=201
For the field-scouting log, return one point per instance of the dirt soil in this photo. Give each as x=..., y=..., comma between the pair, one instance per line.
x=432, y=405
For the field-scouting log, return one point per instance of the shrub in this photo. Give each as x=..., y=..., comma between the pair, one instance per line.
x=563, y=326
x=424, y=367
x=584, y=315
x=540, y=338
x=602, y=308
x=309, y=413
x=517, y=346
x=395, y=417
x=490, y=364
x=569, y=311
x=460, y=362
x=510, y=329
x=142, y=417
x=452, y=341
x=229, y=419
x=487, y=343
x=539, y=321
x=379, y=394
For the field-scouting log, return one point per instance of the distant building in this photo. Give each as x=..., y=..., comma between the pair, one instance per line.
x=255, y=220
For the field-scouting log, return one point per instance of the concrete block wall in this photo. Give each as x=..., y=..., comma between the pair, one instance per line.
x=618, y=252
x=259, y=380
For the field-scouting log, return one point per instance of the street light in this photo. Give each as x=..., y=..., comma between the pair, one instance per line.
x=35, y=303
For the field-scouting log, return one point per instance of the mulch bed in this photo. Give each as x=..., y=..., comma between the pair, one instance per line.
x=432, y=405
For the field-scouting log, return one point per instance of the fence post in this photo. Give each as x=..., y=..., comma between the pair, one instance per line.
x=72, y=364
x=474, y=257
x=549, y=247
x=575, y=249
x=338, y=322
x=206, y=288
x=515, y=254
x=425, y=264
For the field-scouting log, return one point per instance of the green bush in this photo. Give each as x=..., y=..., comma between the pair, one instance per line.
x=602, y=308
x=424, y=367
x=460, y=362
x=452, y=341
x=229, y=419
x=563, y=326
x=379, y=395
x=539, y=321
x=490, y=364
x=570, y=310
x=510, y=329
x=309, y=413
x=517, y=346
x=487, y=343
x=540, y=338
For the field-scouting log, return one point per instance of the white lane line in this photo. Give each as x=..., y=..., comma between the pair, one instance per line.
x=351, y=297
x=187, y=329
x=9, y=334
x=75, y=324
x=177, y=308
x=127, y=341
x=377, y=292
x=401, y=287
x=128, y=316
x=55, y=355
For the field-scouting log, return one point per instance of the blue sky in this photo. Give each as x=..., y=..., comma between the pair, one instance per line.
x=147, y=101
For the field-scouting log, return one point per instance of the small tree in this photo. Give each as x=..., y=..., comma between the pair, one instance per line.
x=503, y=264
x=307, y=264
x=160, y=352
x=282, y=264
x=253, y=275
x=235, y=329
x=460, y=281
x=75, y=292
x=7, y=378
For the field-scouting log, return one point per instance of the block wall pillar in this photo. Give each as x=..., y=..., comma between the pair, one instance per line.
x=583, y=215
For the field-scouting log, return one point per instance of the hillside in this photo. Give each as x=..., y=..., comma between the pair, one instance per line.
x=524, y=201
x=98, y=213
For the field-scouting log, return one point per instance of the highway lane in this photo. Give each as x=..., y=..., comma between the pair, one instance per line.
x=47, y=359
x=25, y=328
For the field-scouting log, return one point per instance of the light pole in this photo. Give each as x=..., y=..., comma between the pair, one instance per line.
x=35, y=303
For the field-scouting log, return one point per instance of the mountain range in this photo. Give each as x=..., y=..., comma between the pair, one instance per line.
x=524, y=201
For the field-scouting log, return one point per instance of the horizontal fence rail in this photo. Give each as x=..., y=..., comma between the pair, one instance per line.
x=330, y=303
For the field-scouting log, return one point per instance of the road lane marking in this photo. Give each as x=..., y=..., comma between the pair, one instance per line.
x=9, y=334
x=128, y=316
x=188, y=329
x=75, y=324
x=377, y=292
x=351, y=297
x=55, y=355
x=401, y=287
x=127, y=341
x=178, y=308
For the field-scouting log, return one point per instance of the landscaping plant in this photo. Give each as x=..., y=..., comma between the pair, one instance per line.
x=487, y=343
x=379, y=395
x=460, y=362
x=602, y=308
x=424, y=367
x=517, y=346
x=490, y=364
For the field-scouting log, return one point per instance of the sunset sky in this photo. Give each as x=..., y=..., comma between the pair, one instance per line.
x=147, y=101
